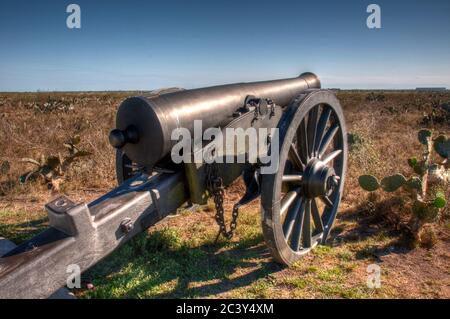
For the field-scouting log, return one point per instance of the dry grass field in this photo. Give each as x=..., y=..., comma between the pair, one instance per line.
x=178, y=258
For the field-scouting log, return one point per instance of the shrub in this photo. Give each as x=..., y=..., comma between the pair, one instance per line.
x=51, y=169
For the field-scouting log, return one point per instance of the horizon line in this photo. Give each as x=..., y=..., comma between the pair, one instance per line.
x=419, y=88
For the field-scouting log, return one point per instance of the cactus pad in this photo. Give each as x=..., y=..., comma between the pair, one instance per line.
x=414, y=183
x=368, y=183
x=442, y=146
x=420, y=168
x=439, y=201
x=392, y=183
x=424, y=136
x=412, y=162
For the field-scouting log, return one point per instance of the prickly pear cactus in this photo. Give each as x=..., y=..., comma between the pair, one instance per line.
x=427, y=189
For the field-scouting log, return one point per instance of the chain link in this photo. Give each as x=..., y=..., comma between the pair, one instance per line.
x=214, y=184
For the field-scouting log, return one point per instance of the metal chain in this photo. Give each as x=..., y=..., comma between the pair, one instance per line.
x=214, y=183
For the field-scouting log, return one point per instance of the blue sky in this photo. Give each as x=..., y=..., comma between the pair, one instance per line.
x=131, y=45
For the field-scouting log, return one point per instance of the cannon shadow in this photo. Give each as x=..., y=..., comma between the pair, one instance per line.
x=191, y=272
x=383, y=219
x=19, y=232
x=214, y=269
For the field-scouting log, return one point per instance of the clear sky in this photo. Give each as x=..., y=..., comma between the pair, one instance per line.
x=134, y=45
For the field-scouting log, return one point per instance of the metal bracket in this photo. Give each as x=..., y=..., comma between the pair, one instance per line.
x=252, y=181
x=68, y=217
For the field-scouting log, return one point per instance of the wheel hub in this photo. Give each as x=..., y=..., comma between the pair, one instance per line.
x=319, y=179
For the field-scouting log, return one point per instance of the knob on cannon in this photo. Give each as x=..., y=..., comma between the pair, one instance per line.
x=119, y=138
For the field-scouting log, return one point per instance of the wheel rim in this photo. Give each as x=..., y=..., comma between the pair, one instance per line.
x=305, y=193
x=311, y=176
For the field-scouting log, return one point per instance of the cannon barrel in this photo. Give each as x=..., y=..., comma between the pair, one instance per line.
x=144, y=124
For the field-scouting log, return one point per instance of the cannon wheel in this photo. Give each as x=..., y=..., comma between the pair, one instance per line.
x=300, y=201
x=125, y=168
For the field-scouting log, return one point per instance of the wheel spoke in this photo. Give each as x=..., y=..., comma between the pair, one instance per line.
x=298, y=228
x=302, y=141
x=327, y=201
x=331, y=156
x=307, y=226
x=287, y=201
x=292, y=178
x=320, y=132
x=290, y=219
x=330, y=214
x=295, y=157
x=311, y=129
x=327, y=139
x=316, y=216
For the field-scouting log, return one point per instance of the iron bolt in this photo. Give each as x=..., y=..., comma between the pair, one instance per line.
x=126, y=225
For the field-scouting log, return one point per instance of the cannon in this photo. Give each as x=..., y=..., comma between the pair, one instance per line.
x=299, y=199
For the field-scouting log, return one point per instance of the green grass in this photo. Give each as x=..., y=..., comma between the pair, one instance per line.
x=186, y=262
x=167, y=263
x=19, y=226
x=323, y=251
x=163, y=265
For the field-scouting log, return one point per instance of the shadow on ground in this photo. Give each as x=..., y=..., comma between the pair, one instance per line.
x=374, y=220
x=22, y=231
x=159, y=266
